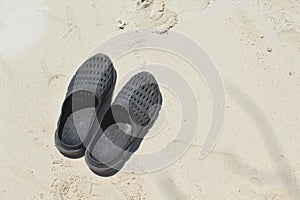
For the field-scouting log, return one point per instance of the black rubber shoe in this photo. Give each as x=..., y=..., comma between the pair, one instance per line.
x=88, y=99
x=132, y=114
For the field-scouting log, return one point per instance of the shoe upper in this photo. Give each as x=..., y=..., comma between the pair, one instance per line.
x=94, y=75
x=89, y=88
x=140, y=95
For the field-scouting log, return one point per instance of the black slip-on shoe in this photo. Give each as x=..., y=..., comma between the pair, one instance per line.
x=123, y=127
x=87, y=100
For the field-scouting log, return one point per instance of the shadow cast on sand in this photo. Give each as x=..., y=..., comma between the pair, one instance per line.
x=268, y=135
x=171, y=190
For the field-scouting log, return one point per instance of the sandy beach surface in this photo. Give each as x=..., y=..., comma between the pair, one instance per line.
x=255, y=46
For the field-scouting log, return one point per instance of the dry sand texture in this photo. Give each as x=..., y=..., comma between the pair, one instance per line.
x=255, y=45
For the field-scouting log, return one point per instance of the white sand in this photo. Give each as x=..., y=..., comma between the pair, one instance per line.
x=256, y=47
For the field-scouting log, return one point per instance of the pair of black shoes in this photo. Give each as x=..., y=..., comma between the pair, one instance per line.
x=106, y=134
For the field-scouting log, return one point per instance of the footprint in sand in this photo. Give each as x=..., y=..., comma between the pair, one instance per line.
x=240, y=168
x=71, y=187
x=156, y=15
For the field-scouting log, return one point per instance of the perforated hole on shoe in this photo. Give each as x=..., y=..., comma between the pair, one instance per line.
x=96, y=74
x=141, y=92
